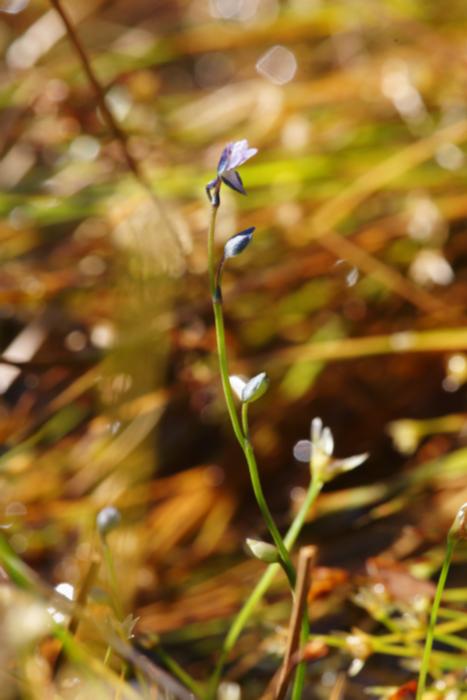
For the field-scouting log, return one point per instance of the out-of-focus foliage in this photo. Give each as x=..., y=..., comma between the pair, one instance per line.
x=351, y=295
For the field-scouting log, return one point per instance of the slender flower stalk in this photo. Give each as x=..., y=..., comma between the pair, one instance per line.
x=179, y=672
x=244, y=440
x=220, y=331
x=107, y=520
x=317, y=451
x=233, y=156
x=457, y=533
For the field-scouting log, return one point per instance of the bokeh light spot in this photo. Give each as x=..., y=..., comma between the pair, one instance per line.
x=278, y=65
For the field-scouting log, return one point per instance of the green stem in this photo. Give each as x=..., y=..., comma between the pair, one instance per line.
x=260, y=589
x=240, y=434
x=211, y=270
x=224, y=372
x=175, y=668
x=300, y=673
x=452, y=614
x=220, y=332
x=452, y=640
x=109, y=563
x=261, y=501
x=245, y=426
x=451, y=543
x=455, y=595
x=443, y=629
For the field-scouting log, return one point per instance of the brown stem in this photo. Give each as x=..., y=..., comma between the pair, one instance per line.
x=91, y=76
x=279, y=684
x=107, y=115
x=337, y=693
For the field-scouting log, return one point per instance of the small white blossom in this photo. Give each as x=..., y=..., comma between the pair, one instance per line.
x=319, y=450
x=251, y=389
x=237, y=384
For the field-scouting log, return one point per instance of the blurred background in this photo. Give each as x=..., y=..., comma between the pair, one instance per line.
x=352, y=297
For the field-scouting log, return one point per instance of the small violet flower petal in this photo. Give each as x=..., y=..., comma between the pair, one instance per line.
x=302, y=451
x=233, y=180
x=234, y=155
x=212, y=191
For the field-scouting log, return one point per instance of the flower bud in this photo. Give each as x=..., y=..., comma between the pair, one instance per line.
x=229, y=691
x=262, y=550
x=238, y=243
x=108, y=519
x=255, y=388
x=458, y=529
x=405, y=435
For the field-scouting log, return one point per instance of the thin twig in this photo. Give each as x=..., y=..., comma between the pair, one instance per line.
x=340, y=246
x=337, y=693
x=279, y=684
x=306, y=558
x=91, y=76
x=112, y=124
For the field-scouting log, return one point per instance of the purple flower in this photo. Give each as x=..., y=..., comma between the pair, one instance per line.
x=233, y=155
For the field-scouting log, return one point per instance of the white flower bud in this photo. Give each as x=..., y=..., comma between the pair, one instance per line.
x=238, y=243
x=263, y=551
x=108, y=519
x=229, y=691
x=458, y=529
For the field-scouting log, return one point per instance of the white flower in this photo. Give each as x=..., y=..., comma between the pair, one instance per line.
x=318, y=453
x=251, y=389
